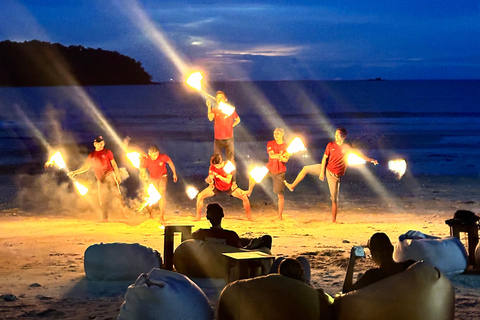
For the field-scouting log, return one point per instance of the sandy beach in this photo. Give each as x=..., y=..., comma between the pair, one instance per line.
x=42, y=253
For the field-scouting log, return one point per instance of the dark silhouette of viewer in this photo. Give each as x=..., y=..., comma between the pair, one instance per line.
x=382, y=254
x=217, y=234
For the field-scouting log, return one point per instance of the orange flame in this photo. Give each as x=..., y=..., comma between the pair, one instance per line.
x=56, y=159
x=153, y=197
x=258, y=173
x=296, y=146
x=399, y=167
x=354, y=160
x=134, y=158
x=229, y=167
x=191, y=192
x=226, y=108
x=81, y=188
x=195, y=81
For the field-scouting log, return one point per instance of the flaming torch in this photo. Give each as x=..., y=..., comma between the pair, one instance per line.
x=258, y=173
x=191, y=192
x=399, y=167
x=229, y=167
x=296, y=146
x=56, y=159
x=153, y=197
x=134, y=158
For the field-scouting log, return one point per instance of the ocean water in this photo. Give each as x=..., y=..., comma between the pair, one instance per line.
x=434, y=125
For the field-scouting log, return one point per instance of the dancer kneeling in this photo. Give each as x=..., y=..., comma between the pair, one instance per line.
x=221, y=181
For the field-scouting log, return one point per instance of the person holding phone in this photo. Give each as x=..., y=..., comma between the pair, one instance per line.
x=382, y=254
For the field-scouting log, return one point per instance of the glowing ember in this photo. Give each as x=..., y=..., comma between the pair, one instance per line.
x=296, y=146
x=399, y=167
x=229, y=167
x=195, y=81
x=354, y=160
x=226, y=108
x=258, y=173
x=56, y=159
x=191, y=192
x=153, y=197
x=134, y=158
x=81, y=188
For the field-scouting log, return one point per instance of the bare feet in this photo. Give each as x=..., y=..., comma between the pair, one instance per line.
x=280, y=218
x=289, y=185
x=249, y=218
x=197, y=218
x=103, y=221
x=337, y=222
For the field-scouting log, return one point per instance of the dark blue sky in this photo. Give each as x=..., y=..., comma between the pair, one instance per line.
x=265, y=40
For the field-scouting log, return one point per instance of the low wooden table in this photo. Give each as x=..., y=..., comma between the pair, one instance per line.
x=246, y=263
x=185, y=230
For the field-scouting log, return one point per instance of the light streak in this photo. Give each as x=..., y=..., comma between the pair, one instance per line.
x=355, y=160
x=134, y=158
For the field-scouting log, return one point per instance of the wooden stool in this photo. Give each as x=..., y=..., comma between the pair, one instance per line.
x=185, y=230
x=246, y=263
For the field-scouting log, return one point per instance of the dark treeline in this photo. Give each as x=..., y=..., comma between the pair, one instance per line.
x=37, y=63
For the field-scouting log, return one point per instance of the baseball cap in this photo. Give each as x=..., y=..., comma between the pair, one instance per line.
x=98, y=139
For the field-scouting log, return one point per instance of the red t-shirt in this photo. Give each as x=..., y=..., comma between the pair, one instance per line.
x=101, y=162
x=275, y=165
x=158, y=167
x=223, y=124
x=337, y=157
x=219, y=184
x=227, y=237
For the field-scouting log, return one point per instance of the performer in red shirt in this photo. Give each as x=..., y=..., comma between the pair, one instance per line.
x=106, y=172
x=221, y=181
x=277, y=157
x=334, y=164
x=156, y=164
x=223, y=127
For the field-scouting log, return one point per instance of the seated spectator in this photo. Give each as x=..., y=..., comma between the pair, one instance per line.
x=382, y=254
x=298, y=268
x=217, y=234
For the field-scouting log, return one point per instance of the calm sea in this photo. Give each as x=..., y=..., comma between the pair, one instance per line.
x=434, y=125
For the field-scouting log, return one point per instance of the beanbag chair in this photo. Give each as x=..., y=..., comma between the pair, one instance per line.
x=272, y=296
x=119, y=261
x=167, y=295
x=204, y=259
x=421, y=292
x=447, y=254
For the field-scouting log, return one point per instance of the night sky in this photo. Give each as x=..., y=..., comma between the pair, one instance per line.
x=265, y=40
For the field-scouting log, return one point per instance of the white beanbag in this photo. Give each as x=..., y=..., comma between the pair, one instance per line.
x=419, y=293
x=119, y=261
x=167, y=295
x=447, y=254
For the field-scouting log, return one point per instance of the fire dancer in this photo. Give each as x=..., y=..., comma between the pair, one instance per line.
x=106, y=172
x=223, y=126
x=156, y=164
x=278, y=156
x=334, y=164
x=221, y=181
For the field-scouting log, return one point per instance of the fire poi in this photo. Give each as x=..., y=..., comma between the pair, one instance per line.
x=134, y=158
x=355, y=160
x=229, y=167
x=296, y=146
